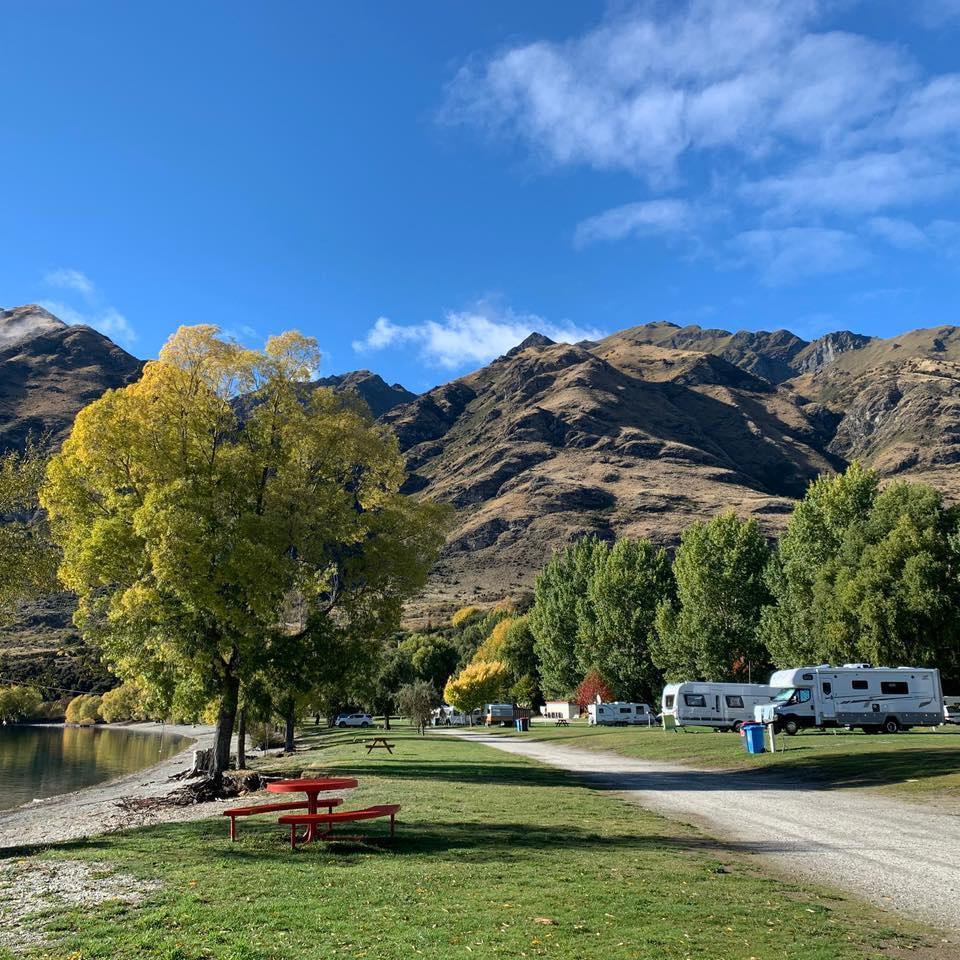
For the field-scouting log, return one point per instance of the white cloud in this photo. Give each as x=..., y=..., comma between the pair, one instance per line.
x=898, y=233
x=94, y=313
x=108, y=321
x=930, y=112
x=466, y=337
x=793, y=253
x=70, y=279
x=640, y=90
x=638, y=219
x=758, y=109
x=856, y=185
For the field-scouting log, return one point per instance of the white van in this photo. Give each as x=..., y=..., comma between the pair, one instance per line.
x=723, y=706
x=875, y=699
x=620, y=714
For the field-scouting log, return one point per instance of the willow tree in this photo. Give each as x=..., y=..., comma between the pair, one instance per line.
x=220, y=522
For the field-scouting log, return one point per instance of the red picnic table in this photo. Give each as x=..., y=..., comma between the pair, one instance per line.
x=312, y=788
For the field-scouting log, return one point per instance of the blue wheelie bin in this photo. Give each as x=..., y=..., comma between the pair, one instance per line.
x=523, y=724
x=753, y=737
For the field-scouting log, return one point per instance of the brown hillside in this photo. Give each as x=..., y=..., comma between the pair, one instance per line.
x=658, y=425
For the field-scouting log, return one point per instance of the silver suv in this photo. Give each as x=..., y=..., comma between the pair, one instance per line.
x=354, y=720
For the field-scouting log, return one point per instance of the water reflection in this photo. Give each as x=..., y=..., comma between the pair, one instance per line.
x=44, y=761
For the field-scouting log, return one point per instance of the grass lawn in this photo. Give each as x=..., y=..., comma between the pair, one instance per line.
x=495, y=856
x=916, y=765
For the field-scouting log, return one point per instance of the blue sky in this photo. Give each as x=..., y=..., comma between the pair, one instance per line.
x=419, y=185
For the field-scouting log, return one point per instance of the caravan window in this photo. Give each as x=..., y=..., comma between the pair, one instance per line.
x=694, y=700
x=626, y=709
x=668, y=701
x=735, y=702
x=860, y=685
x=894, y=686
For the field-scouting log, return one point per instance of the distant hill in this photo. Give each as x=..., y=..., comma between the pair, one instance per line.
x=637, y=434
x=380, y=396
x=642, y=432
x=49, y=371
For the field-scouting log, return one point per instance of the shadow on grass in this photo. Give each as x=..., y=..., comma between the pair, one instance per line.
x=267, y=845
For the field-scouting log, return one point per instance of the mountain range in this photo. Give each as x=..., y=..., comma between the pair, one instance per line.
x=637, y=434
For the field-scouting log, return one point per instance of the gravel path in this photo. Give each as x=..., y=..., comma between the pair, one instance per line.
x=93, y=810
x=899, y=856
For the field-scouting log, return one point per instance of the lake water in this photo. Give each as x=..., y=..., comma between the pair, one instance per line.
x=44, y=761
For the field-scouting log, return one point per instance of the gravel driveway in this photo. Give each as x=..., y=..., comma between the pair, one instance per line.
x=900, y=856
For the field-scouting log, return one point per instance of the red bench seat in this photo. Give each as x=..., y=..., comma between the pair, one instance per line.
x=311, y=820
x=235, y=812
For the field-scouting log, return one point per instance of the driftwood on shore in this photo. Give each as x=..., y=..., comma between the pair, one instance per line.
x=203, y=791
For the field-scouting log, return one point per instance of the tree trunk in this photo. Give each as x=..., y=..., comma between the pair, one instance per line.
x=291, y=719
x=386, y=720
x=242, y=739
x=225, y=721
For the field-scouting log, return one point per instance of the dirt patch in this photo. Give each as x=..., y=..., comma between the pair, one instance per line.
x=29, y=889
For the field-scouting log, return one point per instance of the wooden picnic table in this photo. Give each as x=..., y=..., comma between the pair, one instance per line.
x=312, y=787
x=379, y=743
x=562, y=723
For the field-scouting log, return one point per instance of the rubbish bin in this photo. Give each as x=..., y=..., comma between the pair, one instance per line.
x=753, y=737
x=523, y=724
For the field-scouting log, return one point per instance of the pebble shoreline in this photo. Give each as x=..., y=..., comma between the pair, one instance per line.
x=92, y=810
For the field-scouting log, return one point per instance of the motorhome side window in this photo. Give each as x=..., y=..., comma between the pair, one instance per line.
x=860, y=685
x=803, y=694
x=827, y=688
x=894, y=686
x=694, y=700
x=735, y=702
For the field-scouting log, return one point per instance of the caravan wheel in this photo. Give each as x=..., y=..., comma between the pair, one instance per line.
x=891, y=725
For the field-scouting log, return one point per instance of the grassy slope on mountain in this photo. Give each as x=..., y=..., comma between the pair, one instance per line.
x=615, y=438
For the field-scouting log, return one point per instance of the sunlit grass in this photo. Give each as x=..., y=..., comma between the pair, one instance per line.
x=495, y=857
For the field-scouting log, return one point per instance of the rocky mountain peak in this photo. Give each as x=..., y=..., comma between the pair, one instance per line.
x=826, y=349
x=27, y=322
x=535, y=340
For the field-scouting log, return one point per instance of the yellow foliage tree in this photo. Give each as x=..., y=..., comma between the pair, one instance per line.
x=475, y=685
x=463, y=615
x=125, y=702
x=492, y=648
x=220, y=522
x=83, y=709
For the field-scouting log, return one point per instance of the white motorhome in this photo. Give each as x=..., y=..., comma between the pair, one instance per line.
x=875, y=699
x=723, y=706
x=447, y=716
x=620, y=714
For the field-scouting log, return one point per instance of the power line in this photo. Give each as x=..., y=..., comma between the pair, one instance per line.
x=44, y=686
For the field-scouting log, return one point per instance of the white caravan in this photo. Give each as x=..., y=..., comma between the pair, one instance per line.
x=620, y=714
x=876, y=699
x=724, y=706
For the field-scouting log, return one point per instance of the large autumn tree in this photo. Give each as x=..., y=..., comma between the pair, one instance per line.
x=221, y=522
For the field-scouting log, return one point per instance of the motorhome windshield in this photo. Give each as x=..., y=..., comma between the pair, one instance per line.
x=784, y=695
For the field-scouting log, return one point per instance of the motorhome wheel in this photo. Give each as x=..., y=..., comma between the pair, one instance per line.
x=791, y=728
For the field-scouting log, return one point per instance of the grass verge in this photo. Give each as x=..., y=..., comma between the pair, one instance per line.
x=495, y=856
